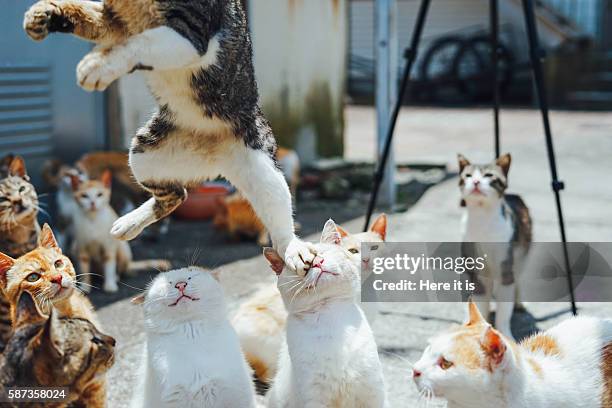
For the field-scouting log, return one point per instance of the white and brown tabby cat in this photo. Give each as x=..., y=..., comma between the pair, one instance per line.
x=493, y=216
x=197, y=58
x=475, y=366
x=93, y=245
x=260, y=320
x=19, y=227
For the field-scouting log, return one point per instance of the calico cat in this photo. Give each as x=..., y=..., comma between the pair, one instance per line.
x=93, y=245
x=55, y=352
x=19, y=227
x=330, y=358
x=197, y=57
x=474, y=365
x=193, y=357
x=500, y=218
x=260, y=320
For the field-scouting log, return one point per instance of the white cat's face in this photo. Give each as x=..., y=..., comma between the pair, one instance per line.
x=92, y=195
x=182, y=295
x=483, y=184
x=334, y=274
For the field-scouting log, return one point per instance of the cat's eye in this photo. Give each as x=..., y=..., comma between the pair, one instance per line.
x=467, y=175
x=444, y=363
x=33, y=277
x=100, y=194
x=189, y=278
x=3, y=199
x=59, y=263
x=354, y=251
x=489, y=175
x=22, y=189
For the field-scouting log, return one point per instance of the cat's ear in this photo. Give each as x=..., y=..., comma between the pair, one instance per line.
x=75, y=180
x=277, y=263
x=330, y=234
x=474, y=317
x=26, y=311
x=342, y=231
x=494, y=346
x=463, y=162
x=107, y=178
x=18, y=168
x=380, y=226
x=138, y=300
x=504, y=162
x=50, y=338
x=47, y=239
x=6, y=263
x=216, y=274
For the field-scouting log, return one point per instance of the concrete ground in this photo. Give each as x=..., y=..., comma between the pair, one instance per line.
x=584, y=146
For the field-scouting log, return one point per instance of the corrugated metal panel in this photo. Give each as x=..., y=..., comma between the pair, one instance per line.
x=26, y=118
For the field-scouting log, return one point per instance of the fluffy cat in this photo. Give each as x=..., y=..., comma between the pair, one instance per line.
x=260, y=320
x=494, y=216
x=93, y=245
x=475, y=366
x=55, y=352
x=193, y=356
x=49, y=276
x=19, y=227
x=330, y=358
x=197, y=57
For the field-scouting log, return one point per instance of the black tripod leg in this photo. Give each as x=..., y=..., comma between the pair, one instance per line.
x=494, y=17
x=410, y=56
x=540, y=85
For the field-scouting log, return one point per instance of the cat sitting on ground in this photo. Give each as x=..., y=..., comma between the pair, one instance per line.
x=19, y=227
x=55, y=352
x=93, y=244
x=260, y=320
x=475, y=366
x=330, y=358
x=197, y=57
x=500, y=218
x=193, y=356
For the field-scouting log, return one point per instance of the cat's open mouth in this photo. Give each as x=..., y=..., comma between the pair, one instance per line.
x=186, y=297
x=323, y=272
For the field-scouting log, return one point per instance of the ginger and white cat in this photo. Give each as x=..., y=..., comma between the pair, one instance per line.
x=492, y=216
x=93, y=244
x=260, y=320
x=193, y=357
x=330, y=358
x=475, y=366
x=197, y=59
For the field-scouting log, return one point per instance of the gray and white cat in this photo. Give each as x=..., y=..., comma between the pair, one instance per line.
x=493, y=216
x=197, y=58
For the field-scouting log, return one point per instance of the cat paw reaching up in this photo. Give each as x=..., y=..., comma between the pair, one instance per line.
x=43, y=18
x=101, y=67
x=299, y=256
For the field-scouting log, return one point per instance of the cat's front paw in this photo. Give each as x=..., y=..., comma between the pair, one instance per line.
x=132, y=224
x=43, y=18
x=100, y=68
x=299, y=256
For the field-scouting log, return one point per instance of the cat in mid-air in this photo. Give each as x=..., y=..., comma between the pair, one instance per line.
x=93, y=245
x=193, y=357
x=53, y=352
x=197, y=57
x=493, y=216
x=260, y=319
x=330, y=357
x=475, y=366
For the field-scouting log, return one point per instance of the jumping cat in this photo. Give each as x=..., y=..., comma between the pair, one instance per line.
x=19, y=227
x=93, y=244
x=475, y=366
x=260, y=320
x=55, y=352
x=500, y=218
x=193, y=357
x=330, y=358
x=197, y=58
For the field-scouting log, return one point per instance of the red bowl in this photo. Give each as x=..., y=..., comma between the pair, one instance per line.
x=202, y=202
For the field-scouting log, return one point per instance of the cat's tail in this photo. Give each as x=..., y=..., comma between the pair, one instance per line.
x=161, y=265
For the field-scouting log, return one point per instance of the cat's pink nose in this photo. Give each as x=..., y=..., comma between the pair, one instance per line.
x=416, y=373
x=181, y=286
x=476, y=183
x=57, y=279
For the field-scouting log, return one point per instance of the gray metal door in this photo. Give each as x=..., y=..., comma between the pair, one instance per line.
x=43, y=113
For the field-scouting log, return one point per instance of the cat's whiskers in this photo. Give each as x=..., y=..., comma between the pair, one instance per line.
x=131, y=287
x=289, y=282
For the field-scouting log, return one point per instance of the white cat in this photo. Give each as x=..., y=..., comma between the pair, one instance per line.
x=193, y=357
x=475, y=366
x=260, y=319
x=330, y=358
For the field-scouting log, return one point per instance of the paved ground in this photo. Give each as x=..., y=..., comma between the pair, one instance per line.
x=584, y=145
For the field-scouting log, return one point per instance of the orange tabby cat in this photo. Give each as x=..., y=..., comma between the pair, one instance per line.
x=49, y=276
